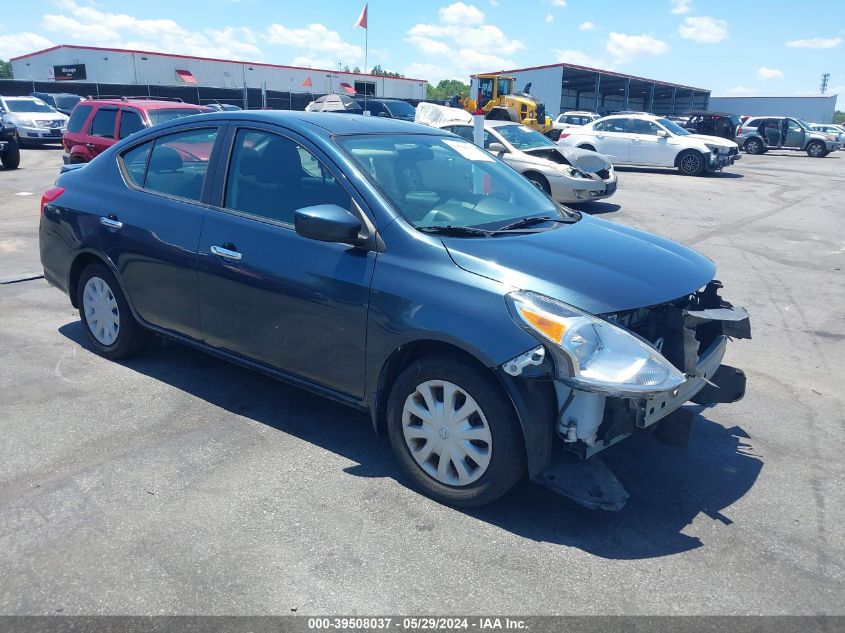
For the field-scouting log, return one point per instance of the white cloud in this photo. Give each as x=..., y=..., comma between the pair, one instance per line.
x=624, y=47
x=816, y=42
x=316, y=39
x=586, y=26
x=558, y=3
x=89, y=24
x=461, y=43
x=569, y=56
x=704, y=30
x=16, y=44
x=549, y=18
x=769, y=73
x=460, y=13
x=679, y=7
x=741, y=91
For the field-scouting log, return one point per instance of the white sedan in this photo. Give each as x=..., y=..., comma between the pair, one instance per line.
x=645, y=139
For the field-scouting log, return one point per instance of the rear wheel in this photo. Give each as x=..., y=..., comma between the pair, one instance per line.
x=816, y=149
x=453, y=431
x=754, y=146
x=11, y=158
x=109, y=325
x=691, y=163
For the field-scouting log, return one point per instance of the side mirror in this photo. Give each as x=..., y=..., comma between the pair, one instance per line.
x=496, y=148
x=327, y=223
x=662, y=133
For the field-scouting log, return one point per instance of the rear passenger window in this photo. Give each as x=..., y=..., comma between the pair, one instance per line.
x=135, y=163
x=78, y=118
x=271, y=177
x=104, y=122
x=178, y=163
x=130, y=122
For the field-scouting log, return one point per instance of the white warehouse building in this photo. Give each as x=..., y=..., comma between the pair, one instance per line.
x=818, y=109
x=94, y=65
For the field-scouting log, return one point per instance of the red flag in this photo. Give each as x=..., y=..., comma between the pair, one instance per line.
x=347, y=89
x=307, y=83
x=362, y=19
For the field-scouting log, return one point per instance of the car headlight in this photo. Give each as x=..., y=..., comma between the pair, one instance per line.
x=597, y=355
x=572, y=171
x=713, y=148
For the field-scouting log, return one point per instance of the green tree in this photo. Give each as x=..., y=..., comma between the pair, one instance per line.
x=5, y=70
x=447, y=88
x=378, y=70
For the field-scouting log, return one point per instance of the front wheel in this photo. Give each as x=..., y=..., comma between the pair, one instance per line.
x=453, y=432
x=540, y=182
x=691, y=163
x=816, y=149
x=11, y=158
x=109, y=325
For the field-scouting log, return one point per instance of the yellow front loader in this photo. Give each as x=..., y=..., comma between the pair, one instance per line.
x=496, y=100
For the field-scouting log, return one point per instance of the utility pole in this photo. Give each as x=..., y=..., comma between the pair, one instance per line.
x=825, y=80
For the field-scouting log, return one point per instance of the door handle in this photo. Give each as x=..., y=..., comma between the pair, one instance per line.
x=111, y=222
x=226, y=253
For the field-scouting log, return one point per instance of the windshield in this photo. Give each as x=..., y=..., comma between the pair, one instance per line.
x=66, y=102
x=168, y=114
x=400, y=108
x=523, y=137
x=27, y=105
x=437, y=181
x=505, y=86
x=804, y=124
x=673, y=127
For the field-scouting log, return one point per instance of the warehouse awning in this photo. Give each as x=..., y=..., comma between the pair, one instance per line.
x=186, y=76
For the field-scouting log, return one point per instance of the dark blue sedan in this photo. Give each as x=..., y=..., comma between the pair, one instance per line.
x=404, y=271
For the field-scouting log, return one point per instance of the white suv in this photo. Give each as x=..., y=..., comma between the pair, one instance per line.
x=646, y=139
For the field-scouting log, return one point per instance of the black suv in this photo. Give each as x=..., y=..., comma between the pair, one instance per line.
x=61, y=101
x=390, y=108
x=722, y=124
x=10, y=152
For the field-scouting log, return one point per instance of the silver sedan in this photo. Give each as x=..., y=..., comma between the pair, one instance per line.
x=569, y=175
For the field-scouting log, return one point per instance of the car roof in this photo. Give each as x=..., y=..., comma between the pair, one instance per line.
x=579, y=112
x=707, y=113
x=143, y=104
x=647, y=117
x=339, y=123
x=54, y=94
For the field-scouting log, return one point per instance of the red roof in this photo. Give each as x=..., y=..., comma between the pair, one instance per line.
x=206, y=59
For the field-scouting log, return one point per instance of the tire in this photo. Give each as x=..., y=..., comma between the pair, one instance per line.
x=496, y=440
x=503, y=114
x=691, y=163
x=540, y=182
x=104, y=298
x=754, y=146
x=11, y=158
x=816, y=149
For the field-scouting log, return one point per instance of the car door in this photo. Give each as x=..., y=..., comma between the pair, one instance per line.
x=794, y=135
x=647, y=148
x=102, y=133
x=150, y=227
x=129, y=122
x=613, y=139
x=267, y=293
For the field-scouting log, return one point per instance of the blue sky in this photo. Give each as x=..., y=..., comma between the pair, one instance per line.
x=755, y=47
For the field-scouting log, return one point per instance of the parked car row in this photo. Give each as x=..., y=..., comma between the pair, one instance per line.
x=490, y=331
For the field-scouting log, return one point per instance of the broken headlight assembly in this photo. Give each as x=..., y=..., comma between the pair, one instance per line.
x=593, y=354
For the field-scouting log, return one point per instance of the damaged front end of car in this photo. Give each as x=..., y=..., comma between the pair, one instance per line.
x=621, y=373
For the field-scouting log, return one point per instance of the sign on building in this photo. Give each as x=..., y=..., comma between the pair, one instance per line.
x=68, y=72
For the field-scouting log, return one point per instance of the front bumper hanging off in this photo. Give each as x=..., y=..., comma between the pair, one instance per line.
x=693, y=336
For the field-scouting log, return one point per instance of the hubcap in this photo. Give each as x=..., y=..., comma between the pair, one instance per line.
x=815, y=150
x=101, y=311
x=690, y=163
x=446, y=433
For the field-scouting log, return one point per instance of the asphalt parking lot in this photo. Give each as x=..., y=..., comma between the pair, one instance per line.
x=174, y=483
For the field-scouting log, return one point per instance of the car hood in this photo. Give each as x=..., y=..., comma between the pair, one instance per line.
x=594, y=264
x=582, y=159
x=713, y=140
x=39, y=116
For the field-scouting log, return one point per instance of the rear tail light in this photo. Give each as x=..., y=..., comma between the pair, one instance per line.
x=564, y=134
x=739, y=130
x=50, y=195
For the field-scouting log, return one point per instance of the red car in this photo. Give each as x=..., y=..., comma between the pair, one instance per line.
x=96, y=124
